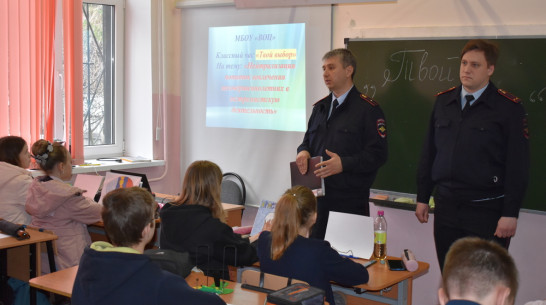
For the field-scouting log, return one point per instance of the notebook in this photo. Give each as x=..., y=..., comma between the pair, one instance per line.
x=350, y=235
x=90, y=183
x=316, y=184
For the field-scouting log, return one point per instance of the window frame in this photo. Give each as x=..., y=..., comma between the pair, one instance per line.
x=117, y=149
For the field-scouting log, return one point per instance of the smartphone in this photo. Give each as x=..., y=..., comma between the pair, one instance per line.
x=396, y=265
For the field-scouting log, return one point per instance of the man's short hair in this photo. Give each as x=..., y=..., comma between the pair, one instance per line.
x=125, y=213
x=475, y=266
x=490, y=50
x=346, y=57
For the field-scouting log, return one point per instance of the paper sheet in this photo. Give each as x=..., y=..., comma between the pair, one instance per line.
x=350, y=235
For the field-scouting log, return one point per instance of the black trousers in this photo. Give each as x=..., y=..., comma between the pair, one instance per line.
x=457, y=218
x=325, y=204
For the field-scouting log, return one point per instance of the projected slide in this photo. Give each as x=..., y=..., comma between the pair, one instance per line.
x=256, y=77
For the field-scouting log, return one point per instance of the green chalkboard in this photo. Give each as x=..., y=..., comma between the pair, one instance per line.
x=403, y=76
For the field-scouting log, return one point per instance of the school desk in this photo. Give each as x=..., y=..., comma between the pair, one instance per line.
x=382, y=278
x=36, y=237
x=234, y=212
x=234, y=215
x=61, y=283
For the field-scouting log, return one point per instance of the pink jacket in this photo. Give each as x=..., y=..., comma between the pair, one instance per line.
x=61, y=208
x=14, y=183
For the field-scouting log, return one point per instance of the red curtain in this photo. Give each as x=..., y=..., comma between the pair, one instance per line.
x=27, y=70
x=73, y=76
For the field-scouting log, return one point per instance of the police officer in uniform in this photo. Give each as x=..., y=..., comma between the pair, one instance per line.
x=475, y=155
x=348, y=130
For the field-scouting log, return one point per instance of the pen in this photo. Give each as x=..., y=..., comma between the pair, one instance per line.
x=90, y=164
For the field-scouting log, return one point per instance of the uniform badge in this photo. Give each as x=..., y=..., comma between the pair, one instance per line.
x=381, y=128
x=510, y=96
x=525, y=128
x=448, y=90
x=368, y=99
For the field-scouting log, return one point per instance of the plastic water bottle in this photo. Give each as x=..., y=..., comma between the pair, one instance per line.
x=380, y=237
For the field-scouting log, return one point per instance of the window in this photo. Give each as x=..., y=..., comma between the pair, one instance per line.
x=102, y=23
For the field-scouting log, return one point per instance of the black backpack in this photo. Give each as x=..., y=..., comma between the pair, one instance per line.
x=169, y=260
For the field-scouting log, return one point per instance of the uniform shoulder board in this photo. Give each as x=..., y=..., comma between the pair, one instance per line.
x=320, y=100
x=448, y=90
x=509, y=96
x=368, y=99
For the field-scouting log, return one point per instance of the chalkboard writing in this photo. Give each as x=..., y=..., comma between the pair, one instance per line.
x=403, y=76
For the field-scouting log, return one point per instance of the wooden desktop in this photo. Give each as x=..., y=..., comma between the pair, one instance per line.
x=62, y=282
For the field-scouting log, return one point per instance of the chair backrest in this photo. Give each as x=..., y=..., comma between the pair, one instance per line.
x=266, y=280
x=233, y=192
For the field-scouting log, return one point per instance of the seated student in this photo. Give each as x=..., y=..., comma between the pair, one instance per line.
x=195, y=222
x=57, y=206
x=14, y=180
x=119, y=273
x=288, y=251
x=478, y=271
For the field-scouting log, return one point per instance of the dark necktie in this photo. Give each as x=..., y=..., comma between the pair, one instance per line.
x=334, y=107
x=469, y=98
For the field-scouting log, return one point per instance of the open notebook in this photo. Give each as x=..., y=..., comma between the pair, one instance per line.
x=350, y=235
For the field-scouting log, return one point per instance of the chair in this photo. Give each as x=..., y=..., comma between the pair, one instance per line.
x=256, y=278
x=233, y=192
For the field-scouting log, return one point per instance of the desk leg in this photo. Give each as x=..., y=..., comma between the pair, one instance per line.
x=32, y=272
x=403, y=292
x=3, y=272
x=51, y=256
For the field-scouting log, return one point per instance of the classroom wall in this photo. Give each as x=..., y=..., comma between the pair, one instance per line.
x=260, y=157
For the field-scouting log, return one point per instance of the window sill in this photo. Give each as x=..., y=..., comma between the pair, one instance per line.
x=95, y=166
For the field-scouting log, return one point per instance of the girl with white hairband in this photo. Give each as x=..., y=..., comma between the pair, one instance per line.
x=57, y=206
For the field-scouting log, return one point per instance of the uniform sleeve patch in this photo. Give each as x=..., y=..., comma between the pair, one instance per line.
x=381, y=128
x=510, y=96
x=448, y=90
x=368, y=99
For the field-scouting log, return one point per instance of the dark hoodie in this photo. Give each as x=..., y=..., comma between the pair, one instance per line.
x=192, y=228
x=110, y=275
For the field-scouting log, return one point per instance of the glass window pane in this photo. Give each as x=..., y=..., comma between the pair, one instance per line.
x=98, y=74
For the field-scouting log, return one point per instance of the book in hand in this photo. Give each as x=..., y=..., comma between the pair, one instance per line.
x=310, y=180
x=297, y=294
x=265, y=213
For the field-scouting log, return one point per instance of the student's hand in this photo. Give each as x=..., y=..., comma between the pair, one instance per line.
x=421, y=211
x=329, y=167
x=506, y=227
x=253, y=238
x=267, y=225
x=302, y=160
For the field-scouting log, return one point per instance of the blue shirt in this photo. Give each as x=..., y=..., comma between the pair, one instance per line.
x=339, y=99
x=476, y=95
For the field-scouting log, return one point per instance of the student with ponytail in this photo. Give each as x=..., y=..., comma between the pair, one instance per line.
x=287, y=251
x=57, y=206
